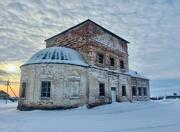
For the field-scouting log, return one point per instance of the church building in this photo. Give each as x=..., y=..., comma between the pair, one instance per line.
x=83, y=65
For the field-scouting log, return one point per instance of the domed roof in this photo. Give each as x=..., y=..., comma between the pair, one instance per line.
x=57, y=55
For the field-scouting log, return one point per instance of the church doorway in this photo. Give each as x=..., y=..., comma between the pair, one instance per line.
x=113, y=94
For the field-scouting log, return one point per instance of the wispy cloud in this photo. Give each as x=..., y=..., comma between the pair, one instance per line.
x=2, y=72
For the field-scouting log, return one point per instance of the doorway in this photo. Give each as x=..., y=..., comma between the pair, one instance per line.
x=113, y=94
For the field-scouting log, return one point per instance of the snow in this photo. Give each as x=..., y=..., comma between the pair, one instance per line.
x=146, y=116
x=57, y=55
x=135, y=74
x=129, y=73
x=3, y=101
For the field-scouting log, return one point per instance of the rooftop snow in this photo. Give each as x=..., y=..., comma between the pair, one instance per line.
x=135, y=74
x=57, y=55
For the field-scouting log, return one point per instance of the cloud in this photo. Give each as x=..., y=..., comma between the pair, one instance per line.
x=2, y=72
x=152, y=27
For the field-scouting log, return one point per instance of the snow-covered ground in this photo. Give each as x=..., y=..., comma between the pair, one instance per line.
x=147, y=116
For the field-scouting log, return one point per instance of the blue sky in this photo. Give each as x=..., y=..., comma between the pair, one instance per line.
x=151, y=26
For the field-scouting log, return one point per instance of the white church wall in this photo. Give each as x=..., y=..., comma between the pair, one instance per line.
x=96, y=77
x=124, y=80
x=68, y=85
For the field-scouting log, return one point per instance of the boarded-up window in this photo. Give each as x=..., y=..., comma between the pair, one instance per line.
x=123, y=90
x=72, y=88
x=45, y=88
x=122, y=64
x=133, y=91
x=101, y=89
x=101, y=58
x=23, y=90
x=112, y=61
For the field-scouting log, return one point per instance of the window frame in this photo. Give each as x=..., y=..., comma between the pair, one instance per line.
x=134, y=90
x=139, y=91
x=144, y=91
x=47, y=88
x=100, y=58
x=110, y=59
x=122, y=66
x=102, y=92
x=123, y=90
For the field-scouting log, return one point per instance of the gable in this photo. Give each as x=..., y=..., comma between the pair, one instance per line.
x=89, y=22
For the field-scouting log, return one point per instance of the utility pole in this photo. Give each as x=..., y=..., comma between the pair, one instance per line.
x=7, y=90
x=12, y=90
x=7, y=86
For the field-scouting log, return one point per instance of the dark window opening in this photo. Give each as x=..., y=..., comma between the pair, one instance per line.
x=112, y=61
x=140, y=92
x=123, y=90
x=101, y=58
x=113, y=88
x=133, y=91
x=122, y=64
x=144, y=91
x=45, y=88
x=23, y=92
x=101, y=89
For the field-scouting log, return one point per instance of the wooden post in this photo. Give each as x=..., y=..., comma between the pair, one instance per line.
x=7, y=90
